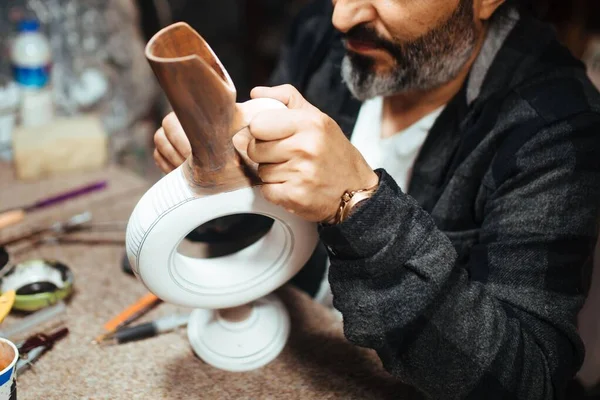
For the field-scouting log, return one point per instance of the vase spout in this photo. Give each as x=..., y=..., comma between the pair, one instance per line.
x=203, y=97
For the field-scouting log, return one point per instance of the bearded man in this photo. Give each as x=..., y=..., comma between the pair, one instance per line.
x=449, y=151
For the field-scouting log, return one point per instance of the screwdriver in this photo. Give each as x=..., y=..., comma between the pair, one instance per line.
x=147, y=330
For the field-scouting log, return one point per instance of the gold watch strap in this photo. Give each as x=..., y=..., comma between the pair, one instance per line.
x=353, y=202
x=349, y=201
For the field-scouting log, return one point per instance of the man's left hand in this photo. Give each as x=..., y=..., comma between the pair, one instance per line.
x=305, y=161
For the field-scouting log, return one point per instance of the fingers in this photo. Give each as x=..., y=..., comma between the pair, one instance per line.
x=162, y=163
x=275, y=124
x=286, y=195
x=273, y=152
x=249, y=109
x=273, y=173
x=276, y=193
x=172, y=146
x=176, y=135
x=166, y=149
x=287, y=94
x=241, y=140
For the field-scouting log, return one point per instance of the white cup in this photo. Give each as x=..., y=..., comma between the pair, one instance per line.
x=9, y=355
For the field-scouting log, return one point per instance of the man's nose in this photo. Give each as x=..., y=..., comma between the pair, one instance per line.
x=350, y=13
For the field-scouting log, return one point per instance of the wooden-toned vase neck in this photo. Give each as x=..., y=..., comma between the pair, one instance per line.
x=203, y=97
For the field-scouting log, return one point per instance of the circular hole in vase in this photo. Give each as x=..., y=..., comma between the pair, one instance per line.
x=225, y=235
x=250, y=261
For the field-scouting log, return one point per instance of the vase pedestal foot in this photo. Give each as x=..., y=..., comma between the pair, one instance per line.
x=242, y=338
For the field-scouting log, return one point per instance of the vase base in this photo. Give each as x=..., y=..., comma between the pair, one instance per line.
x=240, y=345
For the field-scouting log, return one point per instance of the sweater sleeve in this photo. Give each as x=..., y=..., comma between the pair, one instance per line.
x=501, y=325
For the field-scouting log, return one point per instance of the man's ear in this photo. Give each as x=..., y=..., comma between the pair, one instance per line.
x=488, y=7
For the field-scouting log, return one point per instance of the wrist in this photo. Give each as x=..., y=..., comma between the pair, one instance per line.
x=373, y=181
x=350, y=201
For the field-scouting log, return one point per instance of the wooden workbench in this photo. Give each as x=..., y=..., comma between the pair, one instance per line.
x=317, y=363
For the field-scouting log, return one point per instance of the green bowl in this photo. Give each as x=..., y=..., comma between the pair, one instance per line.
x=39, y=283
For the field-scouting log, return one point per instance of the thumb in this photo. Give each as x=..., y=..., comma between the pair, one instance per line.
x=245, y=112
x=287, y=94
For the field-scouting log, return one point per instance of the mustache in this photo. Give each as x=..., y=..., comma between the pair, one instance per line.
x=366, y=34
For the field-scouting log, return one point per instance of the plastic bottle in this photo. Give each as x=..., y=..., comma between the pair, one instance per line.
x=31, y=64
x=9, y=101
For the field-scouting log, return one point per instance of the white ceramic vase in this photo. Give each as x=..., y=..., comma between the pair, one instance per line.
x=238, y=325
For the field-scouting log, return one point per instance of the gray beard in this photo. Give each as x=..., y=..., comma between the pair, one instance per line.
x=423, y=64
x=415, y=75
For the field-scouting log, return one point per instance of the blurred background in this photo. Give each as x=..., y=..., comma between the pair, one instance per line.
x=98, y=66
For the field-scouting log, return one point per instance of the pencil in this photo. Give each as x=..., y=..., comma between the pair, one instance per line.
x=144, y=303
x=130, y=314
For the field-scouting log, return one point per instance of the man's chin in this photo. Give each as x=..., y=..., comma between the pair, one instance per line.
x=357, y=73
x=366, y=81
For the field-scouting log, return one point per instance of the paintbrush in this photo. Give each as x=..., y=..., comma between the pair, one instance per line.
x=16, y=215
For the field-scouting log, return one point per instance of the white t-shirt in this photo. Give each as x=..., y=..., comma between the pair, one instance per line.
x=397, y=153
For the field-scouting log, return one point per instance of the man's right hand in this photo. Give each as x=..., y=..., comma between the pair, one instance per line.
x=172, y=146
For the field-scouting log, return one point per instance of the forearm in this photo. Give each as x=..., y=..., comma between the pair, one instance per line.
x=395, y=279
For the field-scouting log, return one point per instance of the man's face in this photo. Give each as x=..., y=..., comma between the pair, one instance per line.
x=395, y=46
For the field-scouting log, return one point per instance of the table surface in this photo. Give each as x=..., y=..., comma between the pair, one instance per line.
x=317, y=362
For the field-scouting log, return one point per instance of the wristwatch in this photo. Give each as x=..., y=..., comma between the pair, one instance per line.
x=349, y=202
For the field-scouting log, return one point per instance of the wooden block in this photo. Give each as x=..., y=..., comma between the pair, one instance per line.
x=66, y=144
